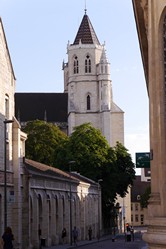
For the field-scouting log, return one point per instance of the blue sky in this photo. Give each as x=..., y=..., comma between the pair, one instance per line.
x=38, y=31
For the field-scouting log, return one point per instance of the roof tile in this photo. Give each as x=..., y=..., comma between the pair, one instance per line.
x=86, y=33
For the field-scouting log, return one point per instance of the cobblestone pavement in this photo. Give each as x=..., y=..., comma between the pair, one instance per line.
x=106, y=243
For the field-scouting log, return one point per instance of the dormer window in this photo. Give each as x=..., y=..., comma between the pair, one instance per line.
x=88, y=102
x=87, y=64
x=76, y=65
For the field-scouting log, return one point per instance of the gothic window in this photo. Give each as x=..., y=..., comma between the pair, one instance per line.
x=87, y=64
x=88, y=102
x=76, y=65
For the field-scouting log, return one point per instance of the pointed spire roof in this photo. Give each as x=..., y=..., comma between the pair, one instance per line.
x=104, y=58
x=86, y=33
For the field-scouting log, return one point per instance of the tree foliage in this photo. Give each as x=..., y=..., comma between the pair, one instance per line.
x=117, y=176
x=95, y=159
x=43, y=140
x=88, y=148
x=125, y=169
x=91, y=153
x=145, y=197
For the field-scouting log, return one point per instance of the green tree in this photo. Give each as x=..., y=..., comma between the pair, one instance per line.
x=88, y=148
x=118, y=174
x=43, y=140
x=145, y=197
x=125, y=169
x=92, y=155
x=96, y=160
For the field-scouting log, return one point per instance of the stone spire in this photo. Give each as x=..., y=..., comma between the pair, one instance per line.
x=103, y=58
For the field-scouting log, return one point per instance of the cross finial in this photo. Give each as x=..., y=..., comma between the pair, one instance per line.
x=85, y=7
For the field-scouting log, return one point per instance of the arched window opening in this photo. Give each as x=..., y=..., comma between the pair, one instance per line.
x=75, y=213
x=76, y=65
x=87, y=64
x=63, y=210
x=49, y=214
x=101, y=68
x=56, y=213
x=56, y=205
x=40, y=213
x=88, y=102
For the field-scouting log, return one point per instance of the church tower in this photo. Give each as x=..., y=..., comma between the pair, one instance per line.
x=89, y=87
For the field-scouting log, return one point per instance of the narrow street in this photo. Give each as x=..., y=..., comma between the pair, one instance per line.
x=118, y=244
x=107, y=243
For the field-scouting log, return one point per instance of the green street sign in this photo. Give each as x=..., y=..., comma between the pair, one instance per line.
x=143, y=160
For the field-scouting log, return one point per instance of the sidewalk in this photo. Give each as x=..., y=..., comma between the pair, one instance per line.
x=119, y=240
x=80, y=243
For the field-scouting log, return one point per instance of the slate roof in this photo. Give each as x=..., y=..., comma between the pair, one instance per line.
x=138, y=188
x=83, y=178
x=40, y=168
x=86, y=33
x=32, y=106
x=37, y=168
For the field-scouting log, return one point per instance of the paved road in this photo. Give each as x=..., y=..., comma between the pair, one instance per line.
x=119, y=244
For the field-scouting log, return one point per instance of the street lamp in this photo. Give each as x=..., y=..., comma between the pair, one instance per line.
x=70, y=163
x=100, y=180
x=5, y=173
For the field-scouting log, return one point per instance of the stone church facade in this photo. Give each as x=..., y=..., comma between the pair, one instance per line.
x=87, y=97
x=150, y=17
x=39, y=197
x=36, y=200
x=89, y=87
x=87, y=93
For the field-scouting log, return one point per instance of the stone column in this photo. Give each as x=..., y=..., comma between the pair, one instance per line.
x=53, y=221
x=45, y=216
x=156, y=234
